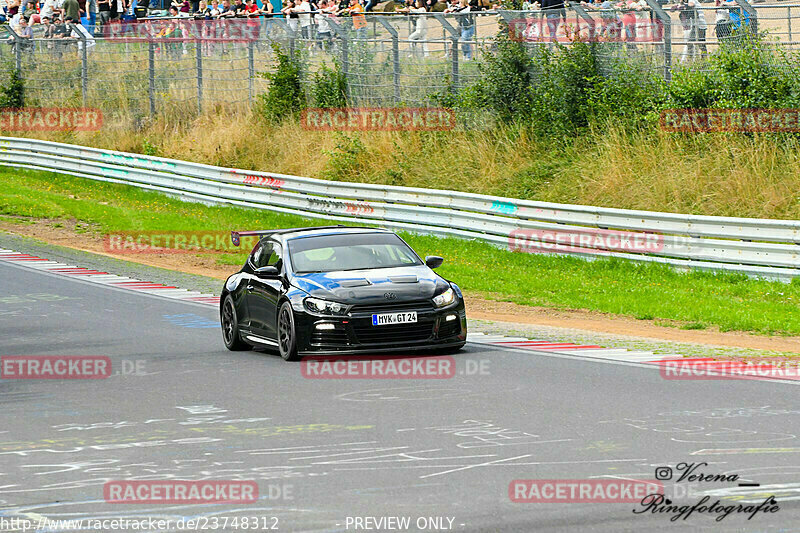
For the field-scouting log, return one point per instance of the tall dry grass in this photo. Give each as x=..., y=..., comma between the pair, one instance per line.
x=713, y=174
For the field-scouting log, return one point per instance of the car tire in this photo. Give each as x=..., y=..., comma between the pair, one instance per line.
x=287, y=336
x=230, y=327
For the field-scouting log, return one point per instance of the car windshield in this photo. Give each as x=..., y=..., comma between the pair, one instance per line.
x=329, y=253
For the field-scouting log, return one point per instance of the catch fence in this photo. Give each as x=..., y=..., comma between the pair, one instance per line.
x=181, y=66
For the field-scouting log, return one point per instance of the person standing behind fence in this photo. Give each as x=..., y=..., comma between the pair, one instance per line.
x=104, y=15
x=72, y=9
x=12, y=8
x=466, y=23
x=303, y=11
x=324, y=37
x=91, y=16
x=183, y=6
x=700, y=28
x=252, y=13
x=24, y=35
x=555, y=13
x=359, y=20
x=48, y=9
x=420, y=32
x=723, y=25
x=30, y=10
x=291, y=15
x=686, y=17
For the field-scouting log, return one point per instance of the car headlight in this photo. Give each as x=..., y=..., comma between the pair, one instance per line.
x=325, y=307
x=446, y=298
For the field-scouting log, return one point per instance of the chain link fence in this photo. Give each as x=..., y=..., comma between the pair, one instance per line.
x=182, y=66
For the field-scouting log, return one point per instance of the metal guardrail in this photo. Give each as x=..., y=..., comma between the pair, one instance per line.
x=764, y=248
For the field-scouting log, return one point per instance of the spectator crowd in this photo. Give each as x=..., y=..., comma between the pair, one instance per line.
x=312, y=20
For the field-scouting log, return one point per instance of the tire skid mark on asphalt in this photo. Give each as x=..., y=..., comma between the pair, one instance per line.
x=105, y=278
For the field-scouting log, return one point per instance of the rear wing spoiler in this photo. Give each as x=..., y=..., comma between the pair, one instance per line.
x=236, y=235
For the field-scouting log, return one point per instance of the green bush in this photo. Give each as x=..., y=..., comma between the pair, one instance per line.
x=744, y=73
x=12, y=95
x=285, y=96
x=563, y=91
x=504, y=85
x=330, y=87
x=346, y=160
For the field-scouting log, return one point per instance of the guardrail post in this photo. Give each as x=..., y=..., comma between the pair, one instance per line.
x=251, y=70
x=395, y=55
x=199, y=60
x=666, y=20
x=789, y=21
x=151, y=76
x=84, y=63
x=17, y=49
x=455, y=35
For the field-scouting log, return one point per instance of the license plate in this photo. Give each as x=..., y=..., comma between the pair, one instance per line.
x=385, y=319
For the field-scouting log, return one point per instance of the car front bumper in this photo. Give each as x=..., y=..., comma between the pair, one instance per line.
x=355, y=334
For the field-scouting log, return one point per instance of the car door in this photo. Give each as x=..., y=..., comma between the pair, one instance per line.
x=263, y=293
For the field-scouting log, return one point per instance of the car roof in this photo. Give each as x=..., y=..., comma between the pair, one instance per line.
x=300, y=233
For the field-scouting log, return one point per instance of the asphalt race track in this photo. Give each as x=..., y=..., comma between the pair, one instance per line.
x=326, y=452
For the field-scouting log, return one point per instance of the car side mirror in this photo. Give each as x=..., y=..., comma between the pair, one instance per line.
x=433, y=261
x=267, y=272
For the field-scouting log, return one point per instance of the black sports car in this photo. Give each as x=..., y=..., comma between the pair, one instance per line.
x=336, y=289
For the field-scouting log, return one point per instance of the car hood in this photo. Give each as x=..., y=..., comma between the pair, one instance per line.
x=371, y=286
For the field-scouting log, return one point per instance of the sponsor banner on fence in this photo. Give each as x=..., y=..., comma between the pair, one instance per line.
x=731, y=120
x=378, y=119
x=51, y=119
x=370, y=367
x=55, y=367
x=174, y=242
x=180, y=492
x=582, y=490
x=586, y=241
x=630, y=28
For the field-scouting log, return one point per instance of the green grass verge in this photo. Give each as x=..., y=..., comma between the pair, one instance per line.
x=649, y=292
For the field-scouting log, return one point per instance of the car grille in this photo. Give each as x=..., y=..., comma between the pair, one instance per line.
x=395, y=333
x=388, y=307
x=449, y=329
x=329, y=338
